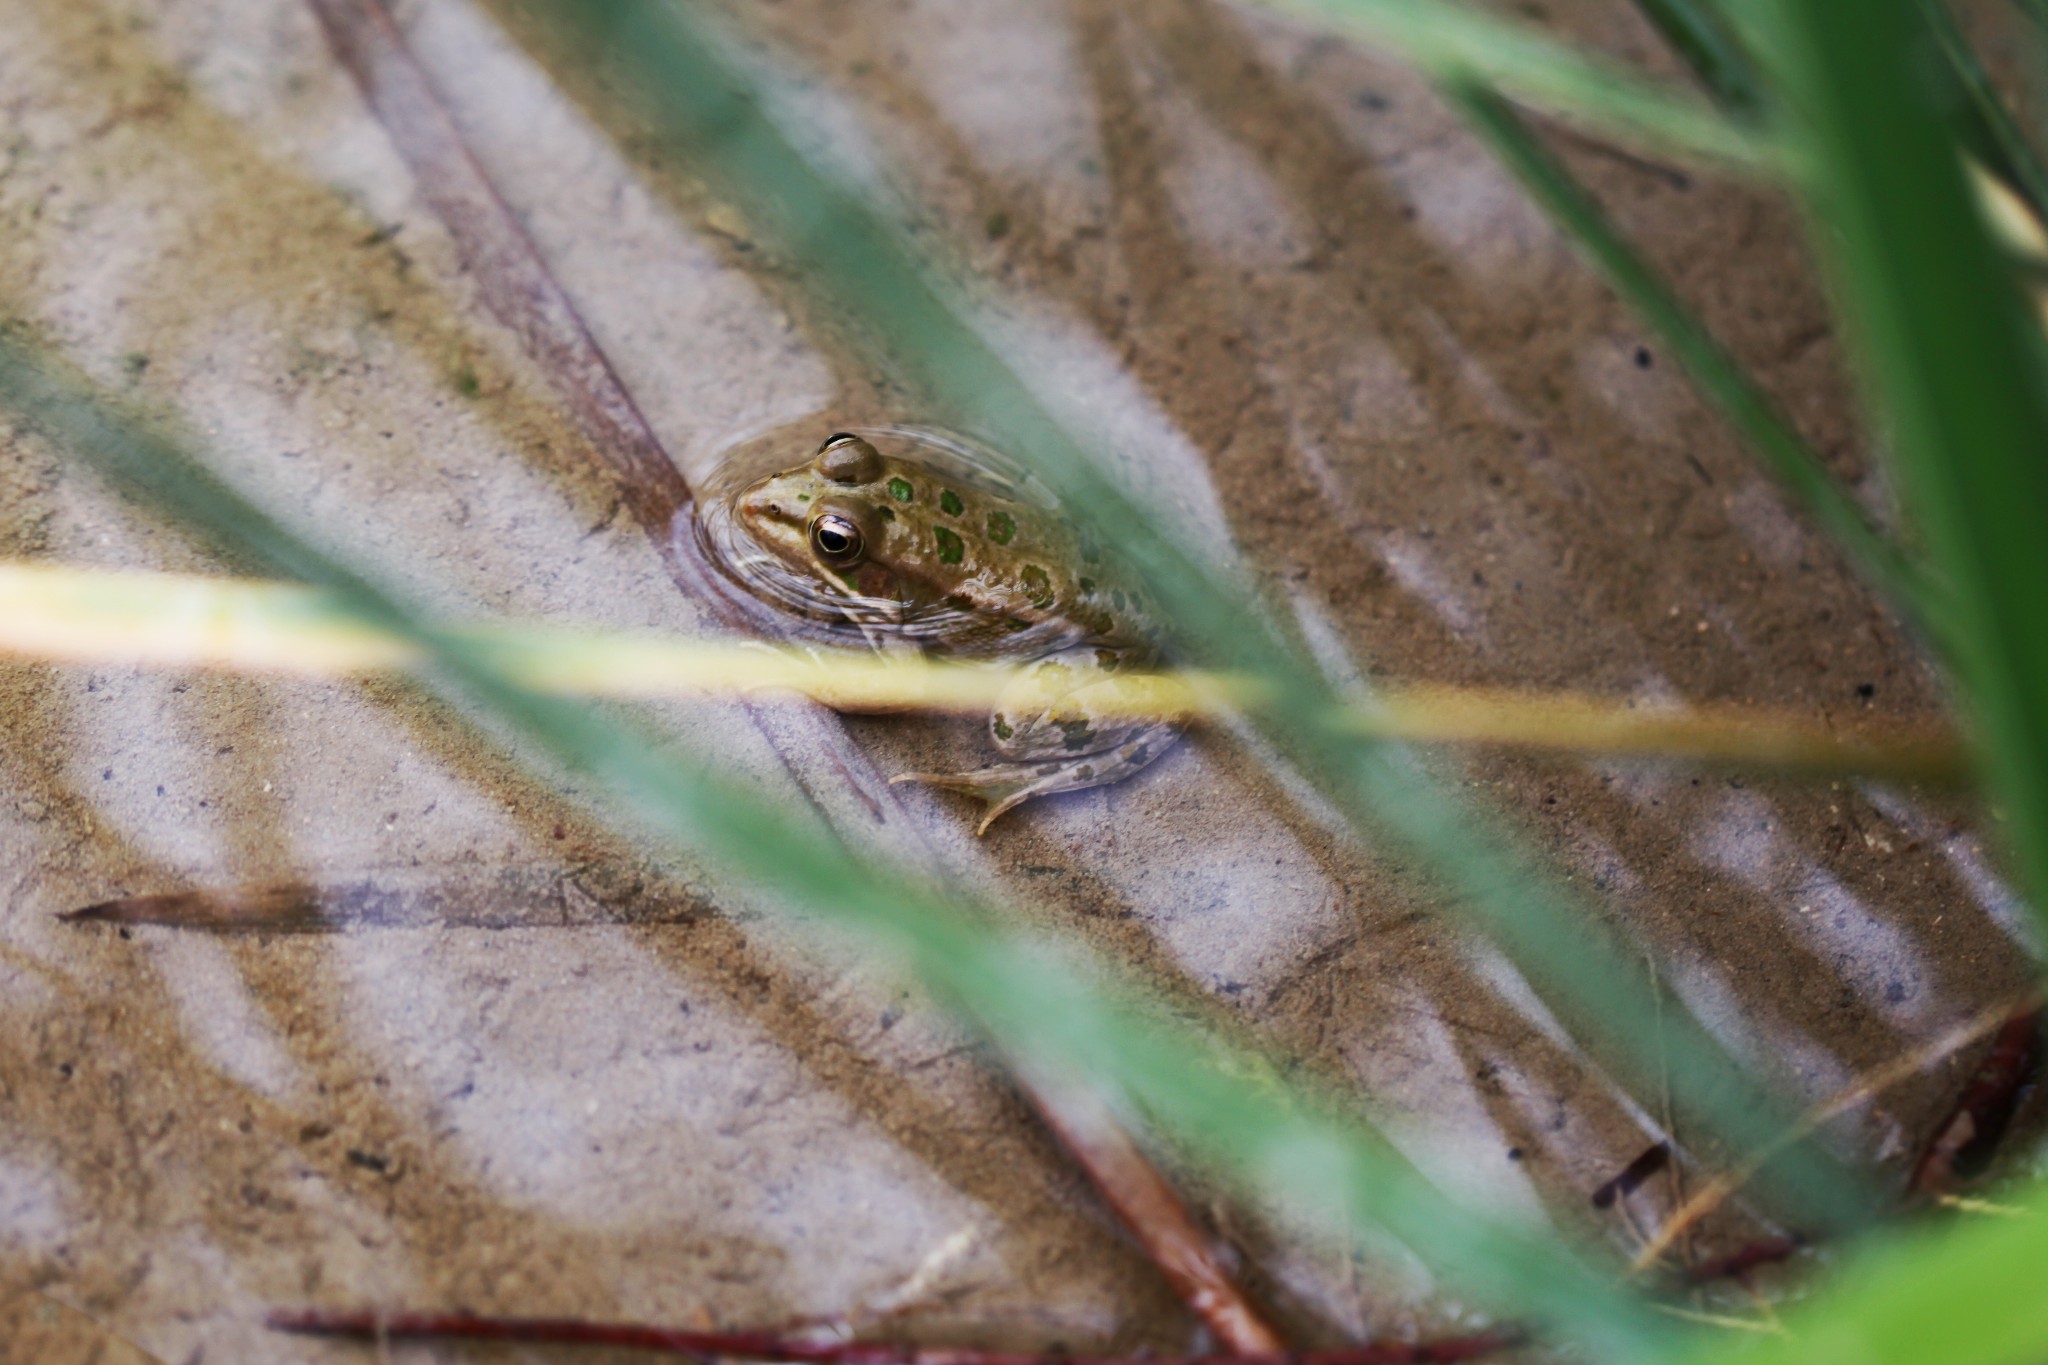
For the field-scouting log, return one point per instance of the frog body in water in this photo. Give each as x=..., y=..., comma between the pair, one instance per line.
x=923, y=560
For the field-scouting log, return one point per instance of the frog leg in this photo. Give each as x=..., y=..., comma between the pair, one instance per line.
x=1051, y=723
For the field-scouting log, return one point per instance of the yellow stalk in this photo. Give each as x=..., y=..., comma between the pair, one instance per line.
x=59, y=614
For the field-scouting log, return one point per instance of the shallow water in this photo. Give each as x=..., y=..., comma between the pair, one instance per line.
x=1311, y=319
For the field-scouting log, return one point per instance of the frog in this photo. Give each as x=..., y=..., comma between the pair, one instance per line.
x=922, y=560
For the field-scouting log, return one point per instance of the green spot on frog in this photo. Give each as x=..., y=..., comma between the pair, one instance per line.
x=1002, y=728
x=1002, y=527
x=1076, y=734
x=1087, y=587
x=900, y=489
x=1037, y=585
x=949, y=502
x=1105, y=659
x=803, y=497
x=951, y=547
x=886, y=513
x=1118, y=600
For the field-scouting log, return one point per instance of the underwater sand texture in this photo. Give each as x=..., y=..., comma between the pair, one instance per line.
x=533, y=1072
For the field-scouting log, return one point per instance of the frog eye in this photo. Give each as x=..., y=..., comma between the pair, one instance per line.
x=836, y=539
x=846, y=458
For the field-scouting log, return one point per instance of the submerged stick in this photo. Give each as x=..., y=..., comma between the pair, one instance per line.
x=1964, y=1143
x=1151, y=1211
x=769, y=1346
x=1737, y=1264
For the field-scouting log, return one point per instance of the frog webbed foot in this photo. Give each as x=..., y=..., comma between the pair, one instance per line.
x=1062, y=727
x=1005, y=786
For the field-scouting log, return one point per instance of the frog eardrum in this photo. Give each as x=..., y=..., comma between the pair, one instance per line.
x=846, y=458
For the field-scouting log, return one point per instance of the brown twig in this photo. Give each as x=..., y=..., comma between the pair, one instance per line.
x=515, y=283
x=269, y=909
x=1153, y=1213
x=768, y=1346
x=517, y=286
x=1962, y=1145
x=1737, y=1264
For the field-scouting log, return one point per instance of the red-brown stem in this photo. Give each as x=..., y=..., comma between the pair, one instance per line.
x=768, y=1346
x=516, y=284
x=1974, y=1127
x=1153, y=1213
x=1738, y=1263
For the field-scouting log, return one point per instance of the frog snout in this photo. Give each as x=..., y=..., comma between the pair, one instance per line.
x=758, y=504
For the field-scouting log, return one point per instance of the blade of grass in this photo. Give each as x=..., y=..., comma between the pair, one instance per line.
x=1713, y=369
x=814, y=747
x=1984, y=124
x=61, y=614
x=1715, y=54
x=1951, y=357
x=1696, y=31
x=1537, y=70
x=668, y=64
x=1053, y=1004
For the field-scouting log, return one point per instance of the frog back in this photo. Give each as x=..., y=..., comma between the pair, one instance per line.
x=1007, y=571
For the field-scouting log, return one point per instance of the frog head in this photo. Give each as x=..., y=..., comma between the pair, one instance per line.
x=829, y=519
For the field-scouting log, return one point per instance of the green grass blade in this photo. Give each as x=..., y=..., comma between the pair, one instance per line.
x=1984, y=124
x=1967, y=1293
x=1713, y=369
x=1051, y=1004
x=1696, y=31
x=1590, y=978
x=1951, y=357
x=1544, y=74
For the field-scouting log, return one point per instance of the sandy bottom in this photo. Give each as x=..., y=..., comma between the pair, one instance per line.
x=551, y=1076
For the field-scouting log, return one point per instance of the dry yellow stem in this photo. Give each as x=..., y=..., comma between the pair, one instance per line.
x=69, y=615
x=1721, y=1320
